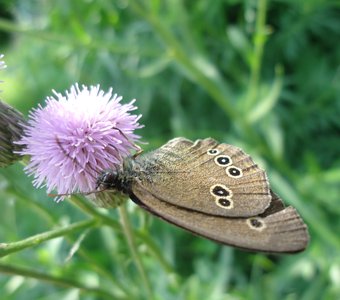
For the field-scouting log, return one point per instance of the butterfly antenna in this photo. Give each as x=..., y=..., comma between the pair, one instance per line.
x=139, y=150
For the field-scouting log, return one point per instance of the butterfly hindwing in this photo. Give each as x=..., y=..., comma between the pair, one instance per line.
x=282, y=231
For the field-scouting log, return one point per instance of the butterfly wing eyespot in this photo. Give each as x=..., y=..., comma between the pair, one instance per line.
x=213, y=152
x=234, y=172
x=225, y=203
x=222, y=196
x=220, y=190
x=223, y=160
x=256, y=224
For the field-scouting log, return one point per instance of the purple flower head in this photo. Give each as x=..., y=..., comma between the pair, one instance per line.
x=76, y=136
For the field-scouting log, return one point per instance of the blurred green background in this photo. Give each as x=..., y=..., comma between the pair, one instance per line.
x=263, y=75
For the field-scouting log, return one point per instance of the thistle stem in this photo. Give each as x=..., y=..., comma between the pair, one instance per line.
x=8, y=248
x=133, y=249
x=259, y=40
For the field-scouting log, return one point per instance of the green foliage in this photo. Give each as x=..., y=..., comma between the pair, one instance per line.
x=257, y=74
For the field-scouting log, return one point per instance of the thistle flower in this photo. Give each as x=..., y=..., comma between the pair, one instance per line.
x=76, y=136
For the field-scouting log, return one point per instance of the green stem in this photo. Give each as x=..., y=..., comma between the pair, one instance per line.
x=256, y=62
x=7, y=248
x=69, y=283
x=133, y=249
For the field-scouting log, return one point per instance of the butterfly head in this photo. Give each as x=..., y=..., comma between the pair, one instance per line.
x=107, y=180
x=113, y=180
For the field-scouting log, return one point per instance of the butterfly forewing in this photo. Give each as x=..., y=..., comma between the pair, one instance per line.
x=205, y=176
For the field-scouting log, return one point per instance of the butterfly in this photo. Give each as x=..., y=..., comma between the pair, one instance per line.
x=213, y=190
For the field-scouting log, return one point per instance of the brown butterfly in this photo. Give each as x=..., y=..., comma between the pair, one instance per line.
x=213, y=190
